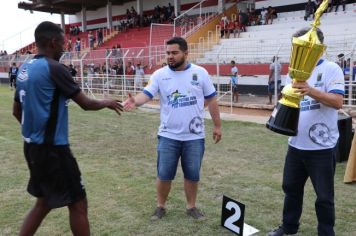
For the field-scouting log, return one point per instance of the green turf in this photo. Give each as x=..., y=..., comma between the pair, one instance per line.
x=117, y=157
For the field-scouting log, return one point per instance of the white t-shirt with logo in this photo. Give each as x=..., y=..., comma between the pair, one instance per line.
x=182, y=95
x=317, y=127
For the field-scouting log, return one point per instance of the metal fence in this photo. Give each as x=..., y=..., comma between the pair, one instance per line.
x=104, y=73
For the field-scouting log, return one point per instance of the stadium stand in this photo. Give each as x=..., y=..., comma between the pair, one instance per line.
x=252, y=51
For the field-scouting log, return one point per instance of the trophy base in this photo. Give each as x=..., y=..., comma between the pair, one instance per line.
x=284, y=120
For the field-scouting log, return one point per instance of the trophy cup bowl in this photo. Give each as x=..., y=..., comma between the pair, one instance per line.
x=306, y=52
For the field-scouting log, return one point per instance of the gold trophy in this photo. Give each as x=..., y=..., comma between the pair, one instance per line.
x=306, y=52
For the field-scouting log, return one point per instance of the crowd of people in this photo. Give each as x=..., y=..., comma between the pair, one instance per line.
x=3, y=53
x=312, y=5
x=244, y=18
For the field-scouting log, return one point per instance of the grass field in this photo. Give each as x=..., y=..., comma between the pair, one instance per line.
x=117, y=157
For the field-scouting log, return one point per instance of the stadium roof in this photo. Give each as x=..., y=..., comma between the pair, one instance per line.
x=66, y=6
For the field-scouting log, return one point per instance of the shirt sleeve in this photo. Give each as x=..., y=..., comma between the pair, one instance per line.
x=335, y=82
x=152, y=86
x=209, y=90
x=63, y=79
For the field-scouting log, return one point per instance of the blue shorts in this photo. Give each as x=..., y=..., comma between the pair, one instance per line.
x=169, y=151
x=271, y=87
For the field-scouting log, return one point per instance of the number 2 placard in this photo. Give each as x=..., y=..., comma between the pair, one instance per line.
x=232, y=215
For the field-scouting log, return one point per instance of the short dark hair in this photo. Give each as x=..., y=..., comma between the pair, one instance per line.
x=45, y=32
x=232, y=62
x=305, y=30
x=183, y=46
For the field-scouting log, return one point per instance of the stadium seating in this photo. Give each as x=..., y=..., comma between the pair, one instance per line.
x=260, y=43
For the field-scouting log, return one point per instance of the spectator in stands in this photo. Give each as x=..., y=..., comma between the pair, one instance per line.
x=264, y=13
x=237, y=28
x=347, y=70
x=271, y=14
x=309, y=9
x=55, y=179
x=231, y=28
x=120, y=68
x=128, y=14
x=72, y=70
x=90, y=75
x=130, y=72
x=275, y=69
x=119, y=51
x=100, y=37
x=139, y=76
x=317, y=4
x=78, y=47
x=234, y=82
x=341, y=61
x=223, y=26
x=107, y=52
x=114, y=52
x=12, y=75
x=69, y=45
x=170, y=9
x=183, y=89
x=17, y=55
x=243, y=20
x=330, y=5
x=91, y=40
x=312, y=152
x=338, y=2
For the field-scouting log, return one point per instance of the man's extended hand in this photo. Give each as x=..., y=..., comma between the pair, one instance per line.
x=129, y=103
x=116, y=105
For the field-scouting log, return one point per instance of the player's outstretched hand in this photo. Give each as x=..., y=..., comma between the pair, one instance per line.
x=116, y=105
x=129, y=103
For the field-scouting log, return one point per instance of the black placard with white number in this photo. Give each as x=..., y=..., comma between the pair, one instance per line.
x=232, y=215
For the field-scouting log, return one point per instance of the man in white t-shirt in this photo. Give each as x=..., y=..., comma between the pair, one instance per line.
x=275, y=69
x=312, y=152
x=233, y=81
x=183, y=88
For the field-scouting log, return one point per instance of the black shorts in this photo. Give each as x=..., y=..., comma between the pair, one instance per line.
x=54, y=174
x=235, y=89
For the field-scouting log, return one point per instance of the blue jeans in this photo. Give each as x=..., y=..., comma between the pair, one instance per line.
x=319, y=165
x=169, y=151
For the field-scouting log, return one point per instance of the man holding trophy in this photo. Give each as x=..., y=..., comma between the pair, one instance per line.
x=308, y=113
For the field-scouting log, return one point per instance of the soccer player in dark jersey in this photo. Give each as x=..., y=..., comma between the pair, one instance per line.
x=44, y=87
x=12, y=74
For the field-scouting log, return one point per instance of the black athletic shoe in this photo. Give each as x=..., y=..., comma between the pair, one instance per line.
x=278, y=232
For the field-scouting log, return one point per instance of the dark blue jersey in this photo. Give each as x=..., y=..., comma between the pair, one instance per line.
x=44, y=87
x=13, y=71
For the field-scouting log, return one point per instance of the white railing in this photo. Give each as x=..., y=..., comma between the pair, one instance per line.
x=101, y=75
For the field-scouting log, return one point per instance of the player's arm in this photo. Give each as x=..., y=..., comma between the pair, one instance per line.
x=16, y=111
x=87, y=103
x=70, y=89
x=215, y=116
x=333, y=100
